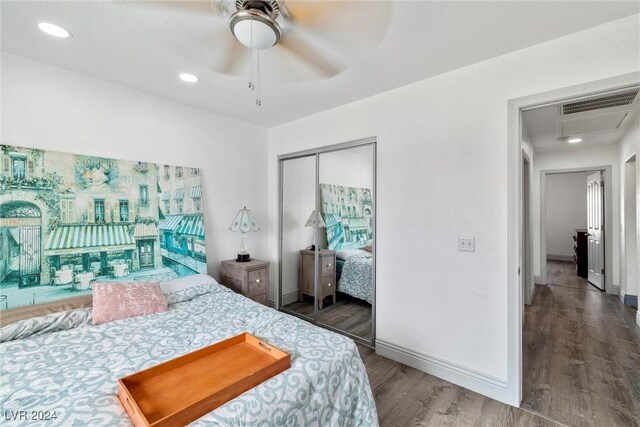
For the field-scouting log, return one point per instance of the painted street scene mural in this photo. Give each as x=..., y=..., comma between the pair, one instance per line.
x=67, y=221
x=347, y=216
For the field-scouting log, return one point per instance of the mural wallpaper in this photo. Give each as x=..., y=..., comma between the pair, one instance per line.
x=347, y=216
x=68, y=220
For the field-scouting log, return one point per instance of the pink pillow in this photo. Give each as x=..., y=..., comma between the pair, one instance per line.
x=114, y=301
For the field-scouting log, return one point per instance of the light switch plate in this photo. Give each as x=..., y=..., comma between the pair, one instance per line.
x=466, y=244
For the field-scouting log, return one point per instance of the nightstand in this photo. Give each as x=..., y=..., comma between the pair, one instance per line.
x=327, y=286
x=250, y=279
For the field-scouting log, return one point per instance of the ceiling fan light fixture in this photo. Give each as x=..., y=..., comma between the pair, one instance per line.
x=255, y=29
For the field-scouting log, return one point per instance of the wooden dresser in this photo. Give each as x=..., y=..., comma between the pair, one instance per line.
x=581, y=253
x=327, y=286
x=250, y=279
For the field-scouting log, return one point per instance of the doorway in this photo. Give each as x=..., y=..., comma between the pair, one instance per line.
x=145, y=248
x=575, y=211
x=630, y=257
x=516, y=258
x=23, y=220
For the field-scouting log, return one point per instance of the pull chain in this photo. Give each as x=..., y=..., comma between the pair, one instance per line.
x=254, y=74
x=251, y=85
x=258, y=98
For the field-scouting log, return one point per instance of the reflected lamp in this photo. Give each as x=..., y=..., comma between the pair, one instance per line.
x=315, y=220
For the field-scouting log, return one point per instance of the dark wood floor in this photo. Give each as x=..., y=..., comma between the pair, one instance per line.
x=408, y=397
x=581, y=354
x=347, y=314
x=564, y=274
x=582, y=368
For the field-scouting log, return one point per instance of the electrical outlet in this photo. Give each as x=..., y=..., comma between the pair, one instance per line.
x=466, y=244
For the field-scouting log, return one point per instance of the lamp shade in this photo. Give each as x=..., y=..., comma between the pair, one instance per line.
x=315, y=219
x=244, y=222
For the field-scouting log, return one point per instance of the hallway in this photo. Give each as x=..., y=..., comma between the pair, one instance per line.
x=581, y=361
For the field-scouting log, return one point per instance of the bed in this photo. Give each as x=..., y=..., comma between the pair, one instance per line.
x=63, y=363
x=354, y=271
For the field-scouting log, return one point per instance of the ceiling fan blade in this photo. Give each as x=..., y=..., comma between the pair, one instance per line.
x=294, y=43
x=220, y=8
x=233, y=59
x=351, y=27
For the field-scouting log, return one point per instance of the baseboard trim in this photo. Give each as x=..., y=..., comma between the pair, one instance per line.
x=556, y=257
x=479, y=382
x=290, y=298
x=631, y=300
x=537, y=280
x=271, y=303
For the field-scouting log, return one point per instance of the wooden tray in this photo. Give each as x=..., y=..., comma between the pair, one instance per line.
x=184, y=389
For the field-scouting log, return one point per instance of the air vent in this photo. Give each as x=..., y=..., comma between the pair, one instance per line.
x=607, y=101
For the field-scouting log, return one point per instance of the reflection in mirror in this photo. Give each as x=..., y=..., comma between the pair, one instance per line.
x=347, y=278
x=298, y=201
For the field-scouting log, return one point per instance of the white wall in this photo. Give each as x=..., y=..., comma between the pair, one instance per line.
x=566, y=210
x=54, y=109
x=589, y=158
x=442, y=172
x=630, y=229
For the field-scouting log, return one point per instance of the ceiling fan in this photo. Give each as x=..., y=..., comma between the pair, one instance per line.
x=301, y=40
x=324, y=35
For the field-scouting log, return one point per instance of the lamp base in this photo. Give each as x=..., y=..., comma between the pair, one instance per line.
x=243, y=258
x=312, y=248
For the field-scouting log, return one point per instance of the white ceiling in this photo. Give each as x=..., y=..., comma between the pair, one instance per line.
x=542, y=126
x=145, y=45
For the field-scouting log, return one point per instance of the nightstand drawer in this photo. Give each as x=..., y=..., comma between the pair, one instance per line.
x=328, y=267
x=328, y=285
x=257, y=282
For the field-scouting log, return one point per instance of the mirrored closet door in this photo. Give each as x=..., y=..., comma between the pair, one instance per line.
x=327, y=237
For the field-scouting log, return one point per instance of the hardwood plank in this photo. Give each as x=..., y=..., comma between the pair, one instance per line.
x=408, y=397
x=581, y=353
x=581, y=368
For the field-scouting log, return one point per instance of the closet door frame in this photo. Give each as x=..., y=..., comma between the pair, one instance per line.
x=316, y=152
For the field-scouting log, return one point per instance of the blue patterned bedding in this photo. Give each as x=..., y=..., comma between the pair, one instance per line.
x=73, y=373
x=356, y=278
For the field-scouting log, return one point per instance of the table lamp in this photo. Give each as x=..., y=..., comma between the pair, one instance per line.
x=244, y=223
x=315, y=219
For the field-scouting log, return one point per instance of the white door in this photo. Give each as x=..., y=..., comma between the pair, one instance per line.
x=595, y=225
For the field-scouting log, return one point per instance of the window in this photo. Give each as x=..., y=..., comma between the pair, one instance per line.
x=167, y=174
x=98, y=209
x=19, y=167
x=197, y=203
x=66, y=211
x=178, y=171
x=180, y=204
x=144, y=195
x=124, y=210
x=167, y=206
x=195, y=171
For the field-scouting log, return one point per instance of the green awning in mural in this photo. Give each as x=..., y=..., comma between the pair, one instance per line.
x=191, y=225
x=69, y=238
x=196, y=192
x=171, y=223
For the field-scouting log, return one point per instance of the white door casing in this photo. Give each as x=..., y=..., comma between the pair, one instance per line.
x=595, y=229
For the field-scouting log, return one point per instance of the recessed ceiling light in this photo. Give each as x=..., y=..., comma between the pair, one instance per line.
x=574, y=140
x=54, y=30
x=189, y=78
